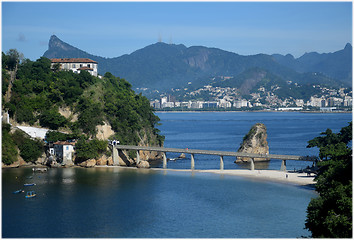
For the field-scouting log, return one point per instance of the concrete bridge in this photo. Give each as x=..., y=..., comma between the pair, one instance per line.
x=192, y=152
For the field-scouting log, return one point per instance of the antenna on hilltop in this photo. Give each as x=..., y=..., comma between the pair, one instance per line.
x=160, y=39
x=170, y=42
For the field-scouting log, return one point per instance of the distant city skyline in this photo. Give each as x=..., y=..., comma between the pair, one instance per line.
x=112, y=29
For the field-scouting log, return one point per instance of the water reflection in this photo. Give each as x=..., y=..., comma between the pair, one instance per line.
x=257, y=165
x=68, y=176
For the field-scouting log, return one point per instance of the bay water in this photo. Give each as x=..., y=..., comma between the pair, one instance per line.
x=288, y=134
x=110, y=202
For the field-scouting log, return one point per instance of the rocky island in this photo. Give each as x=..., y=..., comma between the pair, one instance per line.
x=255, y=141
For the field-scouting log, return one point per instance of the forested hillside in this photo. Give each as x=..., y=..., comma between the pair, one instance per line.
x=40, y=96
x=162, y=66
x=251, y=80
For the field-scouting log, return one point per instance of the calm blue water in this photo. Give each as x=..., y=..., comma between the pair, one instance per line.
x=113, y=203
x=288, y=133
x=129, y=203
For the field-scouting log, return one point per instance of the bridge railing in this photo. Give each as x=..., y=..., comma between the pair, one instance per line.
x=192, y=152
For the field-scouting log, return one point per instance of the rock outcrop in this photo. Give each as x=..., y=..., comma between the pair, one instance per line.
x=104, y=160
x=104, y=131
x=255, y=141
x=143, y=164
x=88, y=164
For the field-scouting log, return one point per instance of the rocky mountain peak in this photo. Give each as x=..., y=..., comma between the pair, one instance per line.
x=348, y=46
x=55, y=42
x=59, y=49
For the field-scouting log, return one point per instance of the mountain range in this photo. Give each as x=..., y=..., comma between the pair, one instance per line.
x=162, y=66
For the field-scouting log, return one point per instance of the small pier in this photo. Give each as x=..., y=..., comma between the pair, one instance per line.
x=193, y=152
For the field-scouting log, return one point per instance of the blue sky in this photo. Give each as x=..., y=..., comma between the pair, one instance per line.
x=111, y=29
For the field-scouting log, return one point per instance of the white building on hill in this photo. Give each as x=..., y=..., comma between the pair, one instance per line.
x=76, y=65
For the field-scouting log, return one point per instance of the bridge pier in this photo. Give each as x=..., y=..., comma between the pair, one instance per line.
x=164, y=160
x=221, y=162
x=192, y=161
x=283, y=166
x=115, y=156
x=137, y=157
x=252, y=164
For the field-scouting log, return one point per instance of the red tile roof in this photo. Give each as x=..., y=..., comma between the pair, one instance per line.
x=72, y=60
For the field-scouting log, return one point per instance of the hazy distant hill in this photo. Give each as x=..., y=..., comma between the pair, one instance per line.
x=252, y=79
x=337, y=65
x=163, y=66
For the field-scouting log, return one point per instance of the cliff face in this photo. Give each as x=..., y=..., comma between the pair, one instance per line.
x=255, y=141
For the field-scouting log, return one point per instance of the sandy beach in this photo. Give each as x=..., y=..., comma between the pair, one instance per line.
x=300, y=179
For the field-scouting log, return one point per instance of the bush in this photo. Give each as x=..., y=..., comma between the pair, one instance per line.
x=54, y=136
x=90, y=149
x=52, y=119
x=30, y=150
x=8, y=147
x=25, y=114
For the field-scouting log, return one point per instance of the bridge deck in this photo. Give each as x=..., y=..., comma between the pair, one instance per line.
x=209, y=152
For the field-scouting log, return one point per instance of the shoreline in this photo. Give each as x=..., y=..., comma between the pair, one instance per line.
x=234, y=111
x=297, y=179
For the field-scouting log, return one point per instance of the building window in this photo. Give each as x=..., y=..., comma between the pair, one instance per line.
x=88, y=65
x=74, y=66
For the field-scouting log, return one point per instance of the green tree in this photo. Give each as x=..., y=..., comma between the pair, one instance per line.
x=330, y=215
x=13, y=59
x=90, y=149
x=54, y=136
x=30, y=150
x=52, y=119
x=5, y=81
x=9, y=151
x=90, y=115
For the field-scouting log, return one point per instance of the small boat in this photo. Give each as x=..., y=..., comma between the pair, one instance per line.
x=172, y=159
x=39, y=169
x=30, y=194
x=18, y=191
x=29, y=184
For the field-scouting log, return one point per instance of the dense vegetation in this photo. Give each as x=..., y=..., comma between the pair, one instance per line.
x=30, y=150
x=90, y=149
x=39, y=92
x=8, y=146
x=330, y=215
